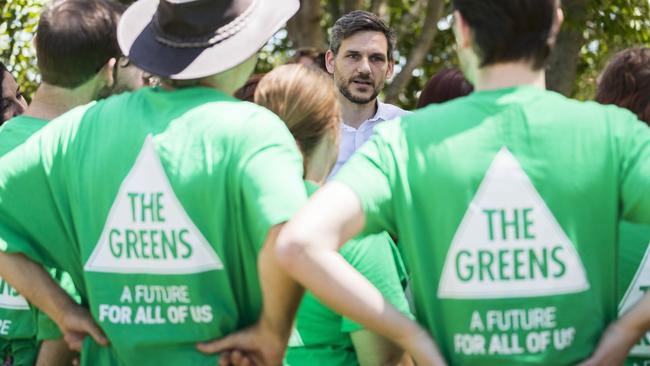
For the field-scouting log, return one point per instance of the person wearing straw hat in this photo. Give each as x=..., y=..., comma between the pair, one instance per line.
x=162, y=204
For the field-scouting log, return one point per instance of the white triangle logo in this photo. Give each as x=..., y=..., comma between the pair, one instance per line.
x=639, y=286
x=148, y=230
x=10, y=299
x=509, y=244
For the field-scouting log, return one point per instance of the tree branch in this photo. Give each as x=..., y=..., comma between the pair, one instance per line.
x=304, y=28
x=419, y=51
x=563, y=62
x=379, y=7
x=350, y=5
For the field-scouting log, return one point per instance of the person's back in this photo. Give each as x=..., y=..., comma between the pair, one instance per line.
x=74, y=70
x=522, y=208
x=140, y=224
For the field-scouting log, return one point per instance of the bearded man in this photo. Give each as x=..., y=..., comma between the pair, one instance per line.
x=360, y=58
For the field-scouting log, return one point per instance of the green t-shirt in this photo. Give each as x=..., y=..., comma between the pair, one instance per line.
x=506, y=204
x=24, y=325
x=321, y=336
x=157, y=204
x=634, y=280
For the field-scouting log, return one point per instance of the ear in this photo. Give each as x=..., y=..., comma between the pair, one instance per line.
x=557, y=24
x=108, y=74
x=391, y=69
x=462, y=31
x=329, y=61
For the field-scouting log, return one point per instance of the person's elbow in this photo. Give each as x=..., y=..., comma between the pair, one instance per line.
x=291, y=247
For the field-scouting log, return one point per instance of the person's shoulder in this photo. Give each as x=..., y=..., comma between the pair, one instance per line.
x=391, y=111
x=22, y=123
x=588, y=112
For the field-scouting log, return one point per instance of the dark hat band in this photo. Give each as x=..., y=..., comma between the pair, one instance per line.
x=209, y=39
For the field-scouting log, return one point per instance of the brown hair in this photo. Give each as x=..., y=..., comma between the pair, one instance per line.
x=361, y=21
x=75, y=39
x=626, y=82
x=305, y=99
x=316, y=56
x=247, y=92
x=446, y=85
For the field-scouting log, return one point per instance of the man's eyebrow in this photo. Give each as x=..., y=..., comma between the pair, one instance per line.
x=352, y=52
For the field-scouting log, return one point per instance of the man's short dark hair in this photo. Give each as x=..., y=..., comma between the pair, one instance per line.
x=360, y=21
x=510, y=30
x=75, y=39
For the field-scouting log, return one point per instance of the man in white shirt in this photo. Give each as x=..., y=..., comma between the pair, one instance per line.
x=361, y=59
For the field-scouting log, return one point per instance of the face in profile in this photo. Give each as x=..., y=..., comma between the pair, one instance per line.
x=361, y=66
x=12, y=102
x=126, y=77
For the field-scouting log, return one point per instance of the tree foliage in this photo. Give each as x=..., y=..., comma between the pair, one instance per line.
x=593, y=31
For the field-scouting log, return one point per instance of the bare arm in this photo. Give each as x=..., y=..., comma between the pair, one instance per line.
x=265, y=342
x=307, y=249
x=33, y=282
x=620, y=336
x=373, y=349
x=54, y=352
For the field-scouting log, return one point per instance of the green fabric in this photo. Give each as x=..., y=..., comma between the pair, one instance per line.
x=157, y=204
x=321, y=336
x=28, y=325
x=634, y=269
x=17, y=130
x=21, y=353
x=498, y=272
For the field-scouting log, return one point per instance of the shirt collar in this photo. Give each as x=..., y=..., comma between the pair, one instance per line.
x=380, y=115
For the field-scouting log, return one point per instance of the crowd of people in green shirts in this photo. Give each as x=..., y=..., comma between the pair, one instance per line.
x=160, y=206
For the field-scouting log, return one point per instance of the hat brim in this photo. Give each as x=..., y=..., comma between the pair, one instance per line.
x=138, y=41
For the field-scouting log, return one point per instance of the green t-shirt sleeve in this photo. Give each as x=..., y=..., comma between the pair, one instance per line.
x=371, y=173
x=635, y=148
x=32, y=203
x=374, y=257
x=272, y=186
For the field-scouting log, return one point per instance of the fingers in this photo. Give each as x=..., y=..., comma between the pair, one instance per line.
x=236, y=358
x=236, y=340
x=91, y=328
x=224, y=359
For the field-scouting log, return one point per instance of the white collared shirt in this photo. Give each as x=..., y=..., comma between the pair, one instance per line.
x=352, y=138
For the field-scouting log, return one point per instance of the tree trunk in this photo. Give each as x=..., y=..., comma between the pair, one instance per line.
x=563, y=62
x=304, y=28
x=419, y=51
x=378, y=7
x=350, y=5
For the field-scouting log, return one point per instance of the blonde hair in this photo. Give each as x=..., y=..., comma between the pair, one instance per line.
x=305, y=99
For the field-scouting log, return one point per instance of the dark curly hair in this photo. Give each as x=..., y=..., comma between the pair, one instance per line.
x=626, y=82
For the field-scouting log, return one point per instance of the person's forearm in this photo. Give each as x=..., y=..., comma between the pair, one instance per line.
x=280, y=292
x=348, y=292
x=34, y=283
x=54, y=352
x=636, y=321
